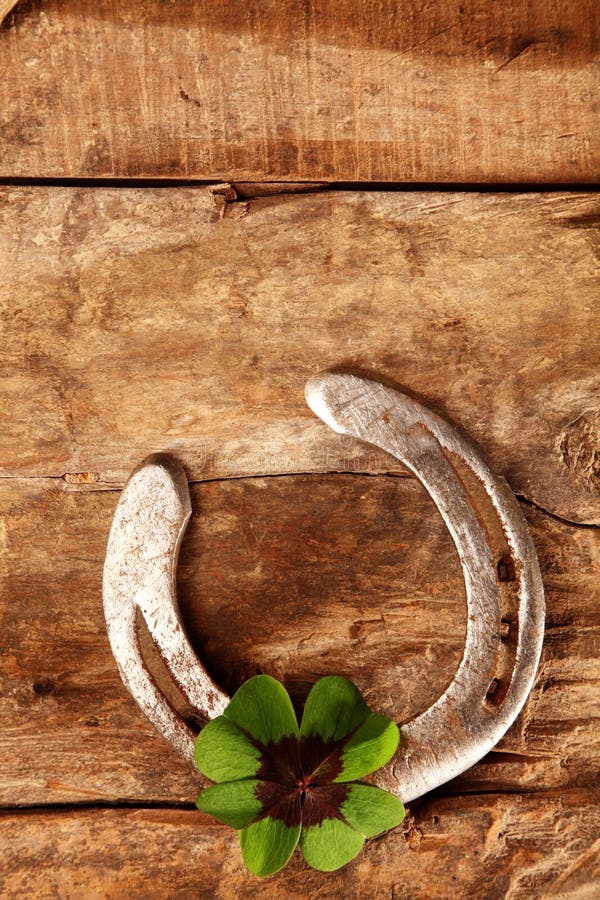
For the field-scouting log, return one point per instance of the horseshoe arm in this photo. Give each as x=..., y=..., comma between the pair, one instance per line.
x=139, y=581
x=505, y=598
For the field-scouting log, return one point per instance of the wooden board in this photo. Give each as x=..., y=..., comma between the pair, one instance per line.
x=141, y=320
x=187, y=320
x=486, y=848
x=336, y=90
x=300, y=577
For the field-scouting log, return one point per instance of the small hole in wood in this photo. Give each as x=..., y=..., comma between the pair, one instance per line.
x=43, y=686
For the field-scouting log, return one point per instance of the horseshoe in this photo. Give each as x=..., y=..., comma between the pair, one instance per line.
x=505, y=598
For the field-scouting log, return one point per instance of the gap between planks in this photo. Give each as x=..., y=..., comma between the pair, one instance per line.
x=188, y=805
x=252, y=189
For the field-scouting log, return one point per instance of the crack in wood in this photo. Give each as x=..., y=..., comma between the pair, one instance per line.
x=83, y=484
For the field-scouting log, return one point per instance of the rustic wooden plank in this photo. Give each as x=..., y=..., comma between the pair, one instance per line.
x=487, y=847
x=298, y=576
x=331, y=90
x=140, y=320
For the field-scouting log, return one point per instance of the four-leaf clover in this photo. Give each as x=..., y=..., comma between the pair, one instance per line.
x=281, y=785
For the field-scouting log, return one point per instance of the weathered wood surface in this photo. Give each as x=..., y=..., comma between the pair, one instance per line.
x=298, y=576
x=181, y=320
x=139, y=320
x=331, y=90
x=495, y=847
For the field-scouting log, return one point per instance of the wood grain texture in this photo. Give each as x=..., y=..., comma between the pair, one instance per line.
x=143, y=320
x=485, y=848
x=188, y=320
x=325, y=90
x=299, y=577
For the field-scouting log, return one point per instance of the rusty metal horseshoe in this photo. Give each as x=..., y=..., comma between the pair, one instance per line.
x=505, y=599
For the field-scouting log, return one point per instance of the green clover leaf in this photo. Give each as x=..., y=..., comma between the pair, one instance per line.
x=281, y=785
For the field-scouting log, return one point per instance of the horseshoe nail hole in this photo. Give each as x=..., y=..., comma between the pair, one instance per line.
x=492, y=691
x=506, y=568
x=504, y=629
x=43, y=686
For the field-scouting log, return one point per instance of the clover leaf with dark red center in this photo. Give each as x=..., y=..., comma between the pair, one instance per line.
x=279, y=784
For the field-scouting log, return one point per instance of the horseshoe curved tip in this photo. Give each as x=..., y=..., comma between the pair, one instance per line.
x=505, y=597
x=143, y=622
